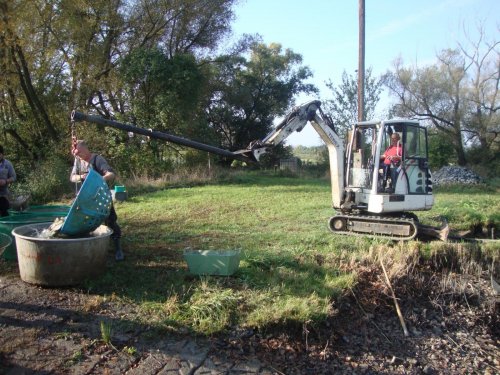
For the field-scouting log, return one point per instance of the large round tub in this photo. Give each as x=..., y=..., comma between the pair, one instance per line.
x=60, y=261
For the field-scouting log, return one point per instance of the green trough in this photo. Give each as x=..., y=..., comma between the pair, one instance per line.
x=33, y=215
x=212, y=262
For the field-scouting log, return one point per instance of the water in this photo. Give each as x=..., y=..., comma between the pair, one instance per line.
x=52, y=232
x=46, y=233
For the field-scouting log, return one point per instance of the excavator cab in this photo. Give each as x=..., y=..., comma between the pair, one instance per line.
x=397, y=183
x=412, y=166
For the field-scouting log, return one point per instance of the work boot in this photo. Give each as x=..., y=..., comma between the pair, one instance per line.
x=118, y=250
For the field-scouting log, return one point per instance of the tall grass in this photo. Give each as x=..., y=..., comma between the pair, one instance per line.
x=106, y=332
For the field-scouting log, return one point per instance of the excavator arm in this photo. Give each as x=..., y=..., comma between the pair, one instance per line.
x=79, y=117
x=356, y=221
x=294, y=121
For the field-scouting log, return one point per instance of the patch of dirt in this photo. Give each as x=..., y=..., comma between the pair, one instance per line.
x=450, y=332
x=452, y=321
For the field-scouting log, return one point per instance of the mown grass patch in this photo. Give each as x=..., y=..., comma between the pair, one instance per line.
x=467, y=207
x=292, y=266
x=280, y=224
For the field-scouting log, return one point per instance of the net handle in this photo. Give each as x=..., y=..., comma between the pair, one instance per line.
x=74, y=140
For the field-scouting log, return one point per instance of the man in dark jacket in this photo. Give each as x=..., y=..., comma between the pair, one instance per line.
x=7, y=177
x=84, y=160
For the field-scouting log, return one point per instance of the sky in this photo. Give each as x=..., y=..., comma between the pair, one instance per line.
x=325, y=33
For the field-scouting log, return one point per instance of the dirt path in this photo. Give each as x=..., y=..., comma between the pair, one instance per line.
x=58, y=331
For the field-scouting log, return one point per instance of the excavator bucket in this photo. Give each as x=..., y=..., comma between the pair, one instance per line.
x=440, y=233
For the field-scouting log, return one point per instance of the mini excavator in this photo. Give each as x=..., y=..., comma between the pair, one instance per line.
x=363, y=204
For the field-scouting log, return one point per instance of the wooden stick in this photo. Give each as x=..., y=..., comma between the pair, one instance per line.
x=398, y=310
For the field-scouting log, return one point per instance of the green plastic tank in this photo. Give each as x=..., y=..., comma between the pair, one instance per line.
x=33, y=215
x=119, y=193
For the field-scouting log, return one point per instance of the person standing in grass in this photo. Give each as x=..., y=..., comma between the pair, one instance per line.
x=84, y=161
x=7, y=177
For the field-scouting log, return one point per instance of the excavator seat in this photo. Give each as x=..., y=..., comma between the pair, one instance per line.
x=385, y=183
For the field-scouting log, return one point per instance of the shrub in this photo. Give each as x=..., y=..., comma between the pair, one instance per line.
x=441, y=151
x=43, y=182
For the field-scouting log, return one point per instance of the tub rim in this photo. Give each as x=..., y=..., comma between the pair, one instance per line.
x=108, y=232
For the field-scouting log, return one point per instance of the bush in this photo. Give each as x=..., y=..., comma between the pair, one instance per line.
x=47, y=182
x=441, y=152
x=196, y=158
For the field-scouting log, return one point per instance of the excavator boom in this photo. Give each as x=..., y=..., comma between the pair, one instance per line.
x=295, y=121
x=242, y=156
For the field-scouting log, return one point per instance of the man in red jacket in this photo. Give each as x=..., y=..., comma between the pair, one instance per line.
x=392, y=159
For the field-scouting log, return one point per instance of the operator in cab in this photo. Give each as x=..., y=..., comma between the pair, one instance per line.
x=392, y=160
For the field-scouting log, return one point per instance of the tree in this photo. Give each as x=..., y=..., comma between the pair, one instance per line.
x=162, y=94
x=482, y=120
x=180, y=26
x=432, y=93
x=55, y=54
x=58, y=55
x=458, y=95
x=441, y=151
x=25, y=113
x=160, y=90
x=249, y=93
x=343, y=108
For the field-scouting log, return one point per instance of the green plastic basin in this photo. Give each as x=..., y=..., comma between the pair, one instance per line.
x=212, y=262
x=50, y=209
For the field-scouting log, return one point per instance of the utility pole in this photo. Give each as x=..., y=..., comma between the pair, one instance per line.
x=361, y=62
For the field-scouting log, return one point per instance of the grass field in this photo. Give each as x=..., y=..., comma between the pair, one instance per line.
x=466, y=207
x=291, y=268
x=279, y=224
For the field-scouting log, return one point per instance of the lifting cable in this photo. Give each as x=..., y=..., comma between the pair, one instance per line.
x=74, y=140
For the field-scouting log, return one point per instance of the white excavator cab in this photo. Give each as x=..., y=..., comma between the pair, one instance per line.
x=398, y=182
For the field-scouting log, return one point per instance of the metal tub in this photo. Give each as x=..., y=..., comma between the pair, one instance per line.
x=60, y=261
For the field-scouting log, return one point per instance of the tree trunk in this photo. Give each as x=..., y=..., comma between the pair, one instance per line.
x=457, y=127
x=30, y=92
x=459, y=148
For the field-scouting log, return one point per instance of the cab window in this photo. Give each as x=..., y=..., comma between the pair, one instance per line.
x=415, y=145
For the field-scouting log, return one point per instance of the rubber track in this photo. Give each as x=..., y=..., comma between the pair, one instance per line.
x=377, y=219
